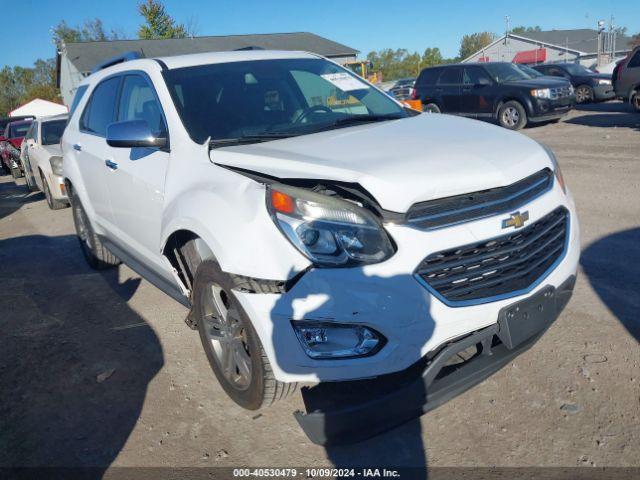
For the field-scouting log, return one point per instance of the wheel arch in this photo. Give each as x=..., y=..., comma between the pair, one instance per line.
x=526, y=104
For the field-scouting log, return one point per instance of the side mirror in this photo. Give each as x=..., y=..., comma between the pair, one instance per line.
x=133, y=133
x=483, y=82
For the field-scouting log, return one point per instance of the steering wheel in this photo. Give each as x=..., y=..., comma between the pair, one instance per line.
x=309, y=110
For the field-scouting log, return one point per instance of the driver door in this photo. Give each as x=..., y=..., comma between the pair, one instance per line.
x=136, y=176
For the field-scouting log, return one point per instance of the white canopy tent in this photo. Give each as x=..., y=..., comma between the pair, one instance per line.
x=39, y=108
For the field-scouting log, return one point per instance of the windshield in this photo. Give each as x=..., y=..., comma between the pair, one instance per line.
x=506, y=72
x=18, y=130
x=529, y=71
x=273, y=97
x=576, y=69
x=52, y=131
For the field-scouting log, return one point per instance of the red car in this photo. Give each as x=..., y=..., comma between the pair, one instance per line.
x=10, y=141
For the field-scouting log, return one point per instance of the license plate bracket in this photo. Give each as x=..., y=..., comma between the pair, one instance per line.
x=522, y=320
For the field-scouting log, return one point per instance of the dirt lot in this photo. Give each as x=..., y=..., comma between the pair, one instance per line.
x=99, y=368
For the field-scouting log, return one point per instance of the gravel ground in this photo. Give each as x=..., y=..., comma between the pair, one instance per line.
x=99, y=369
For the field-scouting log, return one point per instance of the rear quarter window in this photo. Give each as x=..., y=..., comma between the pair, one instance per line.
x=76, y=99
x=635, y=60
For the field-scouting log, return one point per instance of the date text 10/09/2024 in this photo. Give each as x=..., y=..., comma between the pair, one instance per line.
x=316, y=472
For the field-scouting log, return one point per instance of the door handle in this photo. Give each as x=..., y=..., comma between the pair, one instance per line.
x=77, y=146
x=111, y=164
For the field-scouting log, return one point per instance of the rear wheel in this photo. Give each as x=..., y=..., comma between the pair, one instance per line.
x=512, y=115
x=584, y=94
x=96, y=255
x=230, y=342
x=431, y=108
x=52, y=202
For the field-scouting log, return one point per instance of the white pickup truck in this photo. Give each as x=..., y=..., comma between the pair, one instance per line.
x=319, y=231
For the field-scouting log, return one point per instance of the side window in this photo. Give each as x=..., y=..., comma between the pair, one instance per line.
x=138, y=102
x=76, y=99
x=475, y=76
x=100, y=109
x=429, y=76
x=30, y=135
x=635, y=60
x=556, y=72
x=451, y=76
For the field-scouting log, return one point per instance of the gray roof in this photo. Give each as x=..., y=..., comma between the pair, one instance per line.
x=86, y=55
x=583, y=40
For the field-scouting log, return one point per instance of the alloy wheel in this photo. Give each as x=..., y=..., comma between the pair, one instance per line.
x=227, y=337
x=583, y=94
x=510, y=116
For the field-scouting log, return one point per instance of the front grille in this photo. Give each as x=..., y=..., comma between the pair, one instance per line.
x=500, y=266
x=561, y=92
x=472, y=206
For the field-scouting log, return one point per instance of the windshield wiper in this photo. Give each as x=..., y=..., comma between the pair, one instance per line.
x=247, y=139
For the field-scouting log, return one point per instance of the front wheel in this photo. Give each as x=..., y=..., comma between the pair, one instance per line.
x=231, y=343
x=512, y=115
x=431, y=108
x=584, y=94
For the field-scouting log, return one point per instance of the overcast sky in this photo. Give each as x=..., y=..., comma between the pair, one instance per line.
x=365, y=25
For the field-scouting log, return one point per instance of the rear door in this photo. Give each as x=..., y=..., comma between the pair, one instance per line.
x=426, y=85
x=630, y=74
x=478, y=92
x=137, y=175
x=92, y=150
x=449, y=87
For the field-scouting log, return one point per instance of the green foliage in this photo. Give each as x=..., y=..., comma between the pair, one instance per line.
x=19, y=85
x=89, y=31
x=522, y=29
x=400, y=63
x=159, y=23
x=474, y=42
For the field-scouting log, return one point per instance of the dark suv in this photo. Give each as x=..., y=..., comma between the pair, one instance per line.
x=497, y=90
x=589, y=85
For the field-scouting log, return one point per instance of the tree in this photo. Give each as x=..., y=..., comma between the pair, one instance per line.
x=474, y=42
x=400, y=63
x=19, y=85
x=89, y=31
x=431, y=57
x=159, y=23
x=522, y=29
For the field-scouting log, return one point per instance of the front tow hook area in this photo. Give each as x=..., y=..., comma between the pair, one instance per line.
x=350, y=412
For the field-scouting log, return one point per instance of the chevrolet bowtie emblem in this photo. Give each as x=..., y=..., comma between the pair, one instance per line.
x=516, y=220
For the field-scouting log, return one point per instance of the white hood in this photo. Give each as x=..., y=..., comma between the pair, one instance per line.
x=400, y=162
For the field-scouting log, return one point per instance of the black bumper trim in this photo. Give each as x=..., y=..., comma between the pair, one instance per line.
x=421, y=391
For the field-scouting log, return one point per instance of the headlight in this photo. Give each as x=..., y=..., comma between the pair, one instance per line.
x=56, y=165
x=331, y=232
x=556, y=168
x=13, y=151
x=541, y=93
x=337, y=340
x=603, y=81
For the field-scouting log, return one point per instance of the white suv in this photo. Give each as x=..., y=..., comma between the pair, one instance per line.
x=319, y=231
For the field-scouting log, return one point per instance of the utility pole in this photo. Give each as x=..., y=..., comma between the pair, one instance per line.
x=601, y=24
x=506, y=37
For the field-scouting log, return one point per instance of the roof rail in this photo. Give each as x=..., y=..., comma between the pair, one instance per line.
x=250, y=47
x=123, y=57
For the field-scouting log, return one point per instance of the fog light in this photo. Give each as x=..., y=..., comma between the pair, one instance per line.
x=337, y=340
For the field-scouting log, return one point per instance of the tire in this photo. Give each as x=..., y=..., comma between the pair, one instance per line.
x=634, y=100
x=431, y=108
x=226, y=332
x=512, y=115
x=96, y=255
x=584, y=94
x=52, y=202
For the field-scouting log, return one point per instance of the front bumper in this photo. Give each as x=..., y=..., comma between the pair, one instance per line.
x=544, y=110
x=349, y=412
x=388, y=298
x=604, y=92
